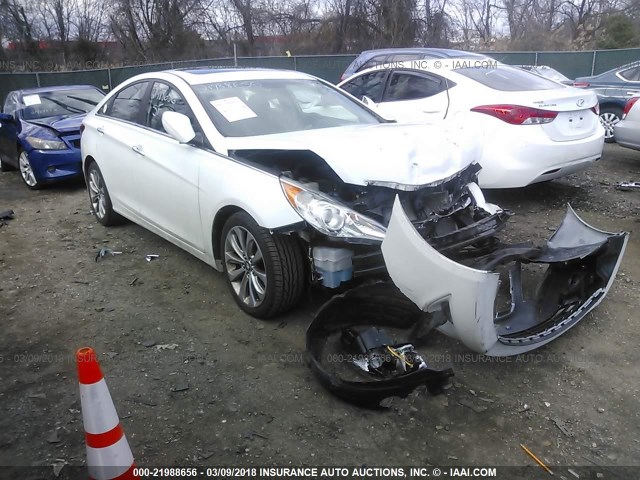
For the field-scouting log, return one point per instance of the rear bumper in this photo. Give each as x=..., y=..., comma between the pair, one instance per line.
x=54, y=165
x=627, y=134
x=513, y=161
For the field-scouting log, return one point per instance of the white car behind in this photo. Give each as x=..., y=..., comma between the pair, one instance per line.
x=627, y=131
x=532, y=129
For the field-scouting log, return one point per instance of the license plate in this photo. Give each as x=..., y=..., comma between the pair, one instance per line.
x=576, y=120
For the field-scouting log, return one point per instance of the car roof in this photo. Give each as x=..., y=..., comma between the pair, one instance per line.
x=442, y=52
x=207, y=75
x=57, y=88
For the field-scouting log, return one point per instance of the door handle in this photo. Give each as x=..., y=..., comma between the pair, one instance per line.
x=138, y=149
x=100, y=130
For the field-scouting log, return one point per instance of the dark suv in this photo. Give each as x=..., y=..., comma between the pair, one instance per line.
x=372, y=58
x=613, y=88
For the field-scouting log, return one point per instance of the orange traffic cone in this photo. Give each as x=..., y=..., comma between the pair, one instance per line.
x=108, y=453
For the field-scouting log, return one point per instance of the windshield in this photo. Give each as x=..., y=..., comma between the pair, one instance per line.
x=263, y=107
x=59, y=103
x=508, y=79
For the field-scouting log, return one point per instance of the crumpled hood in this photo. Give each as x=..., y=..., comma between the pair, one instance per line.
x=61, y=124
x=395, y=153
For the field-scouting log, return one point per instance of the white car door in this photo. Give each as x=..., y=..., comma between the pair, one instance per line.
x=117, y=125
x=167, y=172
x=414, y=97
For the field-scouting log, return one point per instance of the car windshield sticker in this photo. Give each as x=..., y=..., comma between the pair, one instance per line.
x=31, y=100
x=233, y=109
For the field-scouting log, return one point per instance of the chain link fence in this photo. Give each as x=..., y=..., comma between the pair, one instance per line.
x=328, y=67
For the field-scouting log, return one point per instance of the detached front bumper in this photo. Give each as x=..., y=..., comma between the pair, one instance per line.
x=582, y=264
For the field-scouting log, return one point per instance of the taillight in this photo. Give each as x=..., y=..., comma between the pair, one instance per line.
x=517, y=114
x=628, y=106
x=580, y=84
x=596, y=109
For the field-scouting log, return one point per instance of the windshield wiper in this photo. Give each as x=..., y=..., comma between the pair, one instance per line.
x=65, y=106
x=85, y=100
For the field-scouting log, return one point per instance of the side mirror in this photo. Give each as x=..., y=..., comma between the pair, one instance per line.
x=178, y=126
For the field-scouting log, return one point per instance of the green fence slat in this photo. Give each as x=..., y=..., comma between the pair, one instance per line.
x=327, y=67
x=513, y=58
x=571, y=64
x=120, y=74
x=97, y=78
x=608, y=59
x=287, y=63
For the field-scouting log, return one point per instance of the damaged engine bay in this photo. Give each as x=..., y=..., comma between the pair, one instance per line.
x=448, y=214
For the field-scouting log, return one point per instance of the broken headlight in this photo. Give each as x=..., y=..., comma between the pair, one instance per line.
x=329, y=217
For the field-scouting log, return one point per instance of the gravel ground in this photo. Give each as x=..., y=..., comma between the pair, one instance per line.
x=196, y=381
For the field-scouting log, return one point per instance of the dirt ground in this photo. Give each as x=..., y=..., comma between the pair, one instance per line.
x=231, y=390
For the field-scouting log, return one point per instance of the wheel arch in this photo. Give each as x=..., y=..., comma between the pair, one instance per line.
x=612, y=104
x=219, y=220
x=85, y=165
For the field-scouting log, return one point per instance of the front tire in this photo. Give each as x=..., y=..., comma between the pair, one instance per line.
x=609, y=116
x=99, y=197
x=26, y=172
x=264, y=271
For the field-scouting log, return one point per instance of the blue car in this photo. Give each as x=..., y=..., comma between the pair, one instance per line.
x=40, y=132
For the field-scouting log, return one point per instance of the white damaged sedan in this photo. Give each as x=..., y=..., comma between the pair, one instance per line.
x=279, y=179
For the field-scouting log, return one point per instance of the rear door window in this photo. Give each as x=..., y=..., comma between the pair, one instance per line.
x=126, y=104
x=369, y=84
x=412, y=86
x=507, y=79
x=631, y=74
x=373, y=62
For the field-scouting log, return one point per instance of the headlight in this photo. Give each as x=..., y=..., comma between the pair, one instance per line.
x=329, y=217
x=42, y=144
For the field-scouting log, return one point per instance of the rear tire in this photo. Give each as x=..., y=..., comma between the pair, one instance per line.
x=264, y=271
x=609, y=116
x=99, y=197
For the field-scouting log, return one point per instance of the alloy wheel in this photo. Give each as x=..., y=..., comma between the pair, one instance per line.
x=245, y=266
x=97, y=193
x=26, y=171
x=608, y=120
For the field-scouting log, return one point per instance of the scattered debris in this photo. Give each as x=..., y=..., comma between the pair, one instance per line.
x=167, y=346
x=37, y=395
x=573, y=472
x=133, y=282
x=4, y=216
x=251, y=434
x=58, y=466
x=469, y=404
x=181, y=386
x=628, y=186
x=111, y=354
x=53, y=437
x=600, y=410
x=562, y=426
x=524, y=408
x=151, y=256
x=103, y=252
x=148, y=343
x=536, y=459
